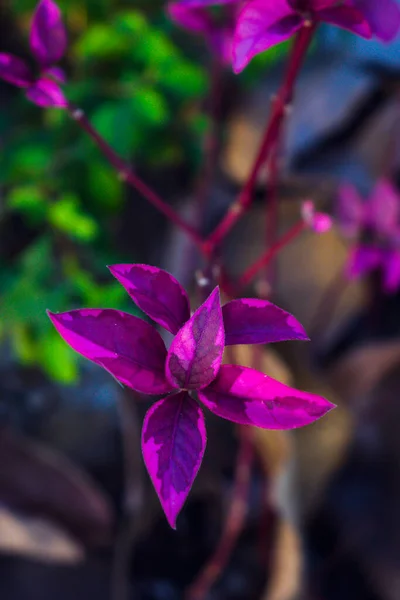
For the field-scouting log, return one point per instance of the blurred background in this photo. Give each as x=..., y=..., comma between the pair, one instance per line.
x=78, y=515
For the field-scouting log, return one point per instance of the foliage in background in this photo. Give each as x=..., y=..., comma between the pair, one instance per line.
x=141, y=83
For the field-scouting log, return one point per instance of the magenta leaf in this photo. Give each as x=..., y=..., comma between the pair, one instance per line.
x=383, y=17
x=383, y=208
x=173, y=444
x=347, y=17
x=14, y=70
x=350, y=210
x=46, y=93
x=249, y=397
x=362, y=260
x=262, y=24
x=252, y=321
x=391, y=276
x=48, y=38
x=128, y=347
x=156, y=293
x=56, y=73
x=195, y=355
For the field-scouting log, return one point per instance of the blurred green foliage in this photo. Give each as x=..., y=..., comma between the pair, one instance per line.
x=143, y=91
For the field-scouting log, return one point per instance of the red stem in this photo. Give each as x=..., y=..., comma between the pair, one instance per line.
x=125, y=172
x=266, y=258
x=233, y=524
x=284, y=97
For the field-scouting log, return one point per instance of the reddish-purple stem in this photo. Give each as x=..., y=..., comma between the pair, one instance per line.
x=125, y=172
x=270, y=254
x=234, y=522
x=284, y=97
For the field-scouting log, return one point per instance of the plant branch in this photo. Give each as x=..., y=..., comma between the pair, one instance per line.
x=125, y=173
x=280, y=108
x=233, y=524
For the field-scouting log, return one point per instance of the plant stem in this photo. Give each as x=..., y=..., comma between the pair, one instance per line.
x=280, y=107
x=211, y=141
x=125, y=173
x=233, y=524
x=266, y=258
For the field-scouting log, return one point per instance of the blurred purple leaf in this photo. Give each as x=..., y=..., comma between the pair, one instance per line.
x=46, y=93
x=14, y=70
x=48, y=37
x=39, y=481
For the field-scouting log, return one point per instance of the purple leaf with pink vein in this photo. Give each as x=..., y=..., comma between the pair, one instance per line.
x=156, y=293
x=195, y=355
x=252, y=321
x=173, y=443
x=249, y=397
x=126, y=346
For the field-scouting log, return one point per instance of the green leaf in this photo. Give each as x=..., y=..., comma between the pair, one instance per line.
x=29, y=201
x=104, y=186
x=100, y=41
x=184, y=79
x=58, y=360
x=132, y=23
x=116, y=122
x=66, y=215
x=150, y=105
x=23, y=344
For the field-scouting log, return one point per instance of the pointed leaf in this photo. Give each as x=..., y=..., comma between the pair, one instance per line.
x=260, y=26
x=252, y=321
x=195, y=355
x=249, y=397
x=156, y=293
x=14, y=70
x=347, y=17
x=173, y=444
x=383, y=208
x=46, y=93
x=391, y=278
x=350, y=210
x=383, y=17
x=362, y=260
x=128, y=347
x=48, y=38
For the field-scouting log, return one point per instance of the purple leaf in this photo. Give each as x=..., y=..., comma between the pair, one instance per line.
x=350, y=209
x=190, y=17
x=46, y=93
x=128, y=347
x=391, y=277
x=14, y=70
x=383, y=208
x=362, y=260
x=383, y=17
x=56, y=73
x=347, y=17
x=252, y=321
x=48, y=37
x=156, y=293
x=195, y=355
x=262, y=24
x=173, y=444
x=249, y=397
x=39, y=481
